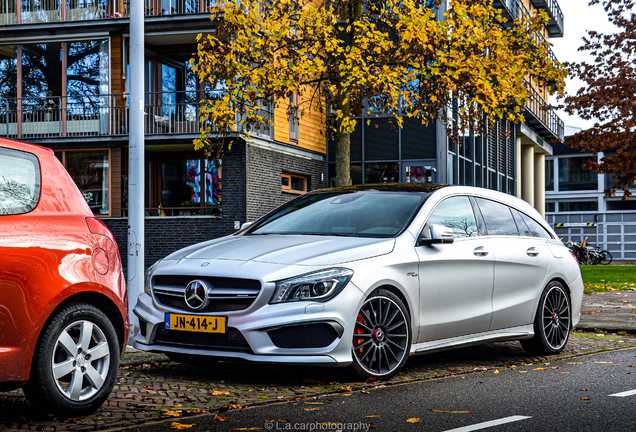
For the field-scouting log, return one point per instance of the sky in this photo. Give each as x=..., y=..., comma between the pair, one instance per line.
x=579, y=18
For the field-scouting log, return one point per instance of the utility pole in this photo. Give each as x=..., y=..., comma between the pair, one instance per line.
x=136, y=158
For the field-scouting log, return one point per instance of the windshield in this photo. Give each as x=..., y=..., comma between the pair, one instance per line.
x=350, y=214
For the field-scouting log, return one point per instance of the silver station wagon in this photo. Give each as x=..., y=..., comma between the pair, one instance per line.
x=366, y=276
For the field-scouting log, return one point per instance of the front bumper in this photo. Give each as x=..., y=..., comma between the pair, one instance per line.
x=249, y=335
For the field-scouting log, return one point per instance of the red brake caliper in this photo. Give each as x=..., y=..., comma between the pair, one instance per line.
x=359, y=330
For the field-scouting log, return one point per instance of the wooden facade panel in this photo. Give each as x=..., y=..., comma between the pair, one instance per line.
x=116, y=181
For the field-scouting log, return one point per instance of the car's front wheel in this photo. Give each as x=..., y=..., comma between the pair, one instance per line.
x=552, y=323
x=76, y=362
x=381, y=336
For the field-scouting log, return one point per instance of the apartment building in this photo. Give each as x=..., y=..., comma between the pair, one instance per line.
x=577, y=208
x=508, y=158
x=64, y=85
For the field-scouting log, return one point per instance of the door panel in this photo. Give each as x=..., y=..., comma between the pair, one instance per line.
x=520, y=268
x=456, y=282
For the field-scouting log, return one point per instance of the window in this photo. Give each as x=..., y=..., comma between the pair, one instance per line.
x=90, y=170
x=294, y=132
x=19, y=182
x=294, y=183
x=457, y=214
x=498, y=218
x=621, y=205
x=550, y=207
x=188, y=187
x=573, y=177
x=529, y=227
x=549, y=175
x=572, y=206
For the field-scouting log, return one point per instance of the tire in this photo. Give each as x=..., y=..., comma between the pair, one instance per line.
x=606, y=257
x=381, y=337
x=552, y=323
x=73, y=374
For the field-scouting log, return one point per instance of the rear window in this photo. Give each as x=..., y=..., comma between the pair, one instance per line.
x=19, y=182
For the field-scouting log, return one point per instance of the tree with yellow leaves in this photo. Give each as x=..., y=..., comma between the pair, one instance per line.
x=397, y=57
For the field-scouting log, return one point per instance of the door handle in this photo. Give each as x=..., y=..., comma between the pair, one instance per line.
x=480, y=251
x=532, y=252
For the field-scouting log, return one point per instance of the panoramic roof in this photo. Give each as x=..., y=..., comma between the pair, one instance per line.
x=387, y=187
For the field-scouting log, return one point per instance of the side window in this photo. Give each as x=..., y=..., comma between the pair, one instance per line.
x=457, y=214
x=498, y=218
x=523, y=227
x=535, y=227
x=19, y=182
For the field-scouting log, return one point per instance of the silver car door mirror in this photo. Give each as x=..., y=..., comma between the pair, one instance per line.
x=438, y=234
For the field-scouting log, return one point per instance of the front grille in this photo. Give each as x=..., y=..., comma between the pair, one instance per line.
x=232, y=340
x=226, y=294
x=318, y=335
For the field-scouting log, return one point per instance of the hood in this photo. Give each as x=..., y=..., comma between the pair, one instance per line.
x=288, y=249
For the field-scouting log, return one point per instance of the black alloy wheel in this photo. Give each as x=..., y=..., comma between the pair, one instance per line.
x=382, y=336
x=552, y=323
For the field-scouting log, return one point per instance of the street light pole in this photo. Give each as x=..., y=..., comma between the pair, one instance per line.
x=136, y=208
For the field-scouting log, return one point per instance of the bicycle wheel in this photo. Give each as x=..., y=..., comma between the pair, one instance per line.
x=606, y=257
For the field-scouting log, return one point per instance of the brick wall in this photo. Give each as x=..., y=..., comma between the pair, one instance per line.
x=251, y=182
x=264, y=169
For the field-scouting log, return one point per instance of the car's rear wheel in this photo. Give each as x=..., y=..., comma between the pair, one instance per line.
x=552, y=323
x=76, y=362
x=382, y=336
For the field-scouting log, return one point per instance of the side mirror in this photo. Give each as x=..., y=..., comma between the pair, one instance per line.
x=439, y=234
x=245, y=225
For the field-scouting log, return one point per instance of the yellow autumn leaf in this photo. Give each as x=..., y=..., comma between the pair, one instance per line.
x=220, y=393
x=450, y=412
x=496, y=371
x=414, y=420
x=374, y=416
x=219, y=418
x=175, y=425
x=543, y=368
x=172, y=414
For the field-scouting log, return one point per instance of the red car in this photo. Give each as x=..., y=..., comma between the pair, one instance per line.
x=63, y=305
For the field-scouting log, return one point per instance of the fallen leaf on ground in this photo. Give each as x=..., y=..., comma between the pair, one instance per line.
x=584, y=389
x=588, y=313
x=414, y=420
x=349, y=394
x=573, y=363
x=176, y=425
x=374, y=416
x=172, y=414
x=237, y=406
x=563, y=372
x=312, y=409
x=219, y=418
x=496, y=371
x=176, y=406
x=220, y=393
x=252, y=428
x=585, y=398
x=451, y=412
x=346, y=389
x=370, y=380
x=314, y=403
x=541, y=368
x=523, y=371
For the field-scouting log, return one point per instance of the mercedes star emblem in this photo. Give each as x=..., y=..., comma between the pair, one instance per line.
x=196, y=294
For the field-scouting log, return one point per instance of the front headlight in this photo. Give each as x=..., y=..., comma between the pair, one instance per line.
x=317, y=286
x=147, y=289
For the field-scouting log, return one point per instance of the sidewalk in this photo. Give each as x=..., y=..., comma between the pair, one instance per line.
x=609, y=311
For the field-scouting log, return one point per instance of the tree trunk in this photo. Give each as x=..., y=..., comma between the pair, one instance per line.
x=343, y=158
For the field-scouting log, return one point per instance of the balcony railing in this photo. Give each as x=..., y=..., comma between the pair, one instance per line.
x=541, y=118
x=556, y=26
x=167, y=113
x=52, y=11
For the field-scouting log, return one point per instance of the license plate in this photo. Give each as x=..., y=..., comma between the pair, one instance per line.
x=195, y=323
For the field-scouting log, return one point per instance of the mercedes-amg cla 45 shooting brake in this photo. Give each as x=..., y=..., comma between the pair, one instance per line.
x=366, y=276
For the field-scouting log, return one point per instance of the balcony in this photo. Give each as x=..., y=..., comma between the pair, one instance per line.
x=166, y=114
x=542, y=119
x=556, y=26
x=52, y=11
x=515, y=9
